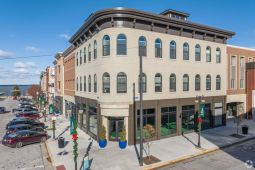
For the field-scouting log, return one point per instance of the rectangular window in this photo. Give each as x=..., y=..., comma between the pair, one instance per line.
x=168, y=121
x=232, y=72
x=188, y=117
x=148, y=118
x=242, y=72
x=59, y=85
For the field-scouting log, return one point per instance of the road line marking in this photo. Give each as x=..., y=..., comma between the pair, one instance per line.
x=40, y=166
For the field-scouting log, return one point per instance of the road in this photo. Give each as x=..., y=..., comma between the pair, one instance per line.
x=26, y=158
x=231, y=158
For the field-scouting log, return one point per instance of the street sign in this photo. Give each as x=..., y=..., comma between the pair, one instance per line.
x=202, y=110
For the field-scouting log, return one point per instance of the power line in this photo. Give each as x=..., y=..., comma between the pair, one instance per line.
x=36, y=56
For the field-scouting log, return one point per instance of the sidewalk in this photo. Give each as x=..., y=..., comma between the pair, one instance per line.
x=168, y=150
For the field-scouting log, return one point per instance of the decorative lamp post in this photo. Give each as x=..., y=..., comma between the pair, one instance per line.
x=53, y=125
x=73, y=131
x=200, y=101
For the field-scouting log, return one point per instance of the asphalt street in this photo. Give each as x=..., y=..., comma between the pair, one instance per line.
x=26, y=158
x=236, y=157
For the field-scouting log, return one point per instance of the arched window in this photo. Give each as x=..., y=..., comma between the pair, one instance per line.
x=197, y=53
x=158, y=82
x=84, y=55
x=173, y=50
x=218, y=82
x=80, y=57
x=80, y=83
x=121, y=45
x=106, y=45
x=142, y=46
x=218, y=55
x=89, y=81
x=172, y=83
x=208, y=54
x=106, y=83
x=77, y=59
x=185, y=82
x=121, y=83
x=208, y=82
x=185, y=51
x=158, y=48
x=95, y=49
x=95, y=83
x=85, y=83
x=144, y=83
x=89, y=52
x=77, y=84
x=197, y=83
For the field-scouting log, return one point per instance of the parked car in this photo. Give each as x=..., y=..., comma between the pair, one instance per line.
x=30, y=114
x=15, y=111
x=2, y=109
x=23, y=137
x=23, y=120
x=19, y=127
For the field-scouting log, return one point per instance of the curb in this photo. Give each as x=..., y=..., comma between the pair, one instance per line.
x=183, y=158
x=50, y=154
x=45, y=155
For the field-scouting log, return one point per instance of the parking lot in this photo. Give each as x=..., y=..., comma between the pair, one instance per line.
x=26, y=158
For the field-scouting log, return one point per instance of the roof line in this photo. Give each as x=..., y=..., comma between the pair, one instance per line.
x=240, y=47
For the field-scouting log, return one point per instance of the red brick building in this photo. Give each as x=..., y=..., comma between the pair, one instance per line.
x=240, y=80
x=250, y=89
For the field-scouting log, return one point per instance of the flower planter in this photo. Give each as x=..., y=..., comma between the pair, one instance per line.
x=122, y=144
x=102, y=143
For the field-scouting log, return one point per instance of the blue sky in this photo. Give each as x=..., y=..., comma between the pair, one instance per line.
x=42, y=27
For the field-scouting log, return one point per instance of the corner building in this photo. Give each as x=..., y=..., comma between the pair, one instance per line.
x=181, y=60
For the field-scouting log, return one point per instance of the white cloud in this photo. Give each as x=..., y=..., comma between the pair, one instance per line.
x=31, y=64
x=24, y=65
x=20, y=70
x=19, y=65
x=32, y=49
x=65, y=36
x=5, y=53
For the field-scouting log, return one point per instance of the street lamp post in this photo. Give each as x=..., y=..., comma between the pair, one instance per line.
x=141, y=112
x=199, y=100
x=53, y=126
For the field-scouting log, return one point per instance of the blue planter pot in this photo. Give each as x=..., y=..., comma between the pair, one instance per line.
x=122, y=144
x=102, y=143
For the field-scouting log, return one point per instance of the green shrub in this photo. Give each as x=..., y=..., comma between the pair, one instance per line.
x=102, y=133
x=123, y=134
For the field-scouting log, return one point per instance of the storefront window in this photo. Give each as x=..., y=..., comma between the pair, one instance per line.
x=188, y=113
x=148, y=118
x=168, y=121
x=93, y=120
x=84, y=119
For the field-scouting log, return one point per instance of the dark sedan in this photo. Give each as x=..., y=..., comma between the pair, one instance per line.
x=32, y=122
x=23, y=137
x=19, y=127
x=30, y=114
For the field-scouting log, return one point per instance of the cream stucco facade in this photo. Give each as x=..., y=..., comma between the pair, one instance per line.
x=129, y=64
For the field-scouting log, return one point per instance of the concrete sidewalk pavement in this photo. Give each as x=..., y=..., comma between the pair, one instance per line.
x=169, y=150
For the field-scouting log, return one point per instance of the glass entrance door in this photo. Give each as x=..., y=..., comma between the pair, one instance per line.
x=116, y=125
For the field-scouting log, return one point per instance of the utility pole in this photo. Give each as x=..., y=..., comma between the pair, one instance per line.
x=134, y=112
x=141, y=111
